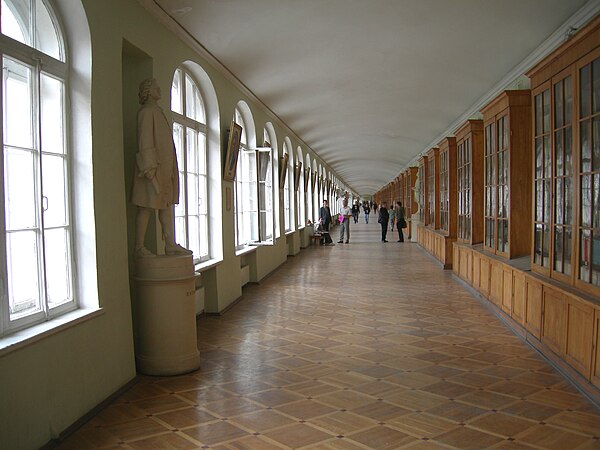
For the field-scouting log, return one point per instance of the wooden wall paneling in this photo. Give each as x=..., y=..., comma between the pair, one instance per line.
x=496, y=282
x=484, y=276
x=517, y=311
x=533, y=307
x=476, y=270
x=580, y=333
x=554, y=320
x=507, y=289
x=595, y=378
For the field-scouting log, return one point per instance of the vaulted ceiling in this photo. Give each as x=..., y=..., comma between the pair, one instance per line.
x=370, y=84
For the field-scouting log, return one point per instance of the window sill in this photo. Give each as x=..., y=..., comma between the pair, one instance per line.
x=245, y=250
x=289, y=233
x=205, y=265
x=31, y=335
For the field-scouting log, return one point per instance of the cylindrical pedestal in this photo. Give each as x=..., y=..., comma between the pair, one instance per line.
x=166, y=316
x=414, y=222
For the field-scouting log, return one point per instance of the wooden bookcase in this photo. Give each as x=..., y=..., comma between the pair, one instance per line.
x=469, y=161
x=507, y=174
x=409, y=177
x=447, y=186
x=432, y=220
x=423, y=194
x=566, y=154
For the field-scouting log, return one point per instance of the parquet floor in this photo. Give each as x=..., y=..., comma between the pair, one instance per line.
x=358, y=346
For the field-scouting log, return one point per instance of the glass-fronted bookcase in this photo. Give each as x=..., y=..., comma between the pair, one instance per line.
x=423, y=213
x=566, y=152
x=469, y=163
x=447, y=186
x=507, y=174
x=433, y=182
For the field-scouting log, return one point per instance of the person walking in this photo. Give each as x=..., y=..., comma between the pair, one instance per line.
x=355, y=211
x=367, y=210
x=399, y=213
x=344, y=218
x=383, y=219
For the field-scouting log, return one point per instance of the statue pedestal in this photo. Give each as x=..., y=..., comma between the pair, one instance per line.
x=166, y=316
x=414, y=222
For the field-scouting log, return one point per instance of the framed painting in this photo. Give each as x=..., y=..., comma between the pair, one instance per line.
x=233, y=149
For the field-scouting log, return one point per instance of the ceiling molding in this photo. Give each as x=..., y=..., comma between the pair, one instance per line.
x=577, y=20
x=176, y=28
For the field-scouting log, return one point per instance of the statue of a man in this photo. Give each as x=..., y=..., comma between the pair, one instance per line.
x=156, y=177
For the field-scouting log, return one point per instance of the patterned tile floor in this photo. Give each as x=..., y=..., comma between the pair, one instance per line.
x=358, y=346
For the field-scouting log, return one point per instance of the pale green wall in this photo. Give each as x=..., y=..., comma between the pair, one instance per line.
x=48, y=385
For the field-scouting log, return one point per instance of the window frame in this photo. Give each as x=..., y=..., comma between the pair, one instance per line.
x=40, y=65
x=186, y=122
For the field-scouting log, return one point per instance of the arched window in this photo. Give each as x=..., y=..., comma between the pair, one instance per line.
x=265, y=188
x=271, y=138
x=246, y=197
x=308, y=192
x=299, y=186
x=189, y=135
x=287, y=199
x=38, y=244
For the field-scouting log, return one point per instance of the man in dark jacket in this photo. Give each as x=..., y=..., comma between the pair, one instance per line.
x=384, y=217
x=325, y=221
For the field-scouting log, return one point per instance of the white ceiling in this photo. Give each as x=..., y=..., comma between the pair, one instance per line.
x=370, y=84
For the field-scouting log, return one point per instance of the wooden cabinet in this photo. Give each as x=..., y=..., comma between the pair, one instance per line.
x=409, y=177
x=469, y=161
x=533, y=307
x=517, y=310
x=447, y=187
x=507, y=174
x=554, y=321
x=507, y=289
x=580, y=333
x=566, y=117
x=432, y=219
x=423, y=190
x=595, y=378
x=496, y=283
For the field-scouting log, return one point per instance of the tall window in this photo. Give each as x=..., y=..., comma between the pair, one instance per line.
x=589, y=173
x=246, y=198
x=464, y=189
x=37, y=244
x=189, y=135
x=265, y=190
x=299, y=186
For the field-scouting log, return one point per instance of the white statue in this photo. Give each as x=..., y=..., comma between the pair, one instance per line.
x=156, y=177
x=417, y=193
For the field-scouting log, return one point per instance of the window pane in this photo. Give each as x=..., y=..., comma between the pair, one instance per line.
x=585, y=91
x=596, y=86
x=547, y=157
x=176, y=104
x=202, y=196
x=567, y=251
x=16, y=23
x=568, y=201
x=54, y=183
x=20, y=195
x=558, y=200
x=23, y=280
x=558, y=153
x=568, y=101
x=596, y=144
x=586, y=152
x=18, y=109
x=568, y=145
x=596, y=201
x=546, y=246
x=194, y=233
x=46, y=40
x=595, y=275
x=202, y=153
x=558, y=249
x=586, y=201
x=52, y=111
x=546, y=95
x=192, y=192
x=547, y=201
x=585, y=255
x=539, y=154
x=537, y=244
x=58, y=264
x=558, y=105
x=192, y=160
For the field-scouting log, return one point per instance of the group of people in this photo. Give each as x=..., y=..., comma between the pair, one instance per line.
x=394, y=216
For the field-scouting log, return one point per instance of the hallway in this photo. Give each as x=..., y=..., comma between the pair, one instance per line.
x=365, y=345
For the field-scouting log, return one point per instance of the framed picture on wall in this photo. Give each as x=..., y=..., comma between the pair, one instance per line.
x=233, y=149
x=283, y=167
